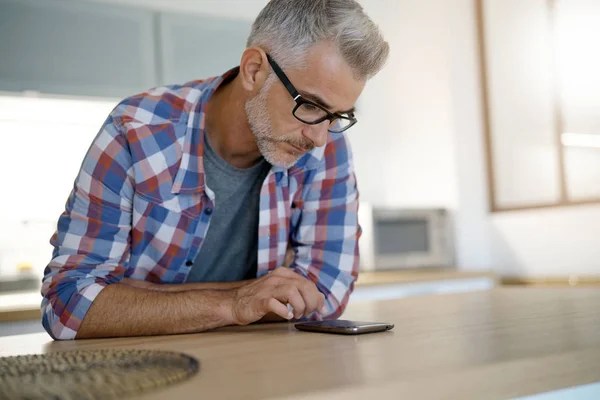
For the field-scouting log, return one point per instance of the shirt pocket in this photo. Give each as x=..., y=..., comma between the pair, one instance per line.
x=161, y=238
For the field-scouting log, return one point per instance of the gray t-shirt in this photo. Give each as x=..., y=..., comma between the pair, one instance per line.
x=229, y=250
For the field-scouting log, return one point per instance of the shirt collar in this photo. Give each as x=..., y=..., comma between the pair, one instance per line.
x=190, y=176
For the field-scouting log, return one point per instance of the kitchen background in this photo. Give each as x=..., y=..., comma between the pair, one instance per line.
x=489, y=109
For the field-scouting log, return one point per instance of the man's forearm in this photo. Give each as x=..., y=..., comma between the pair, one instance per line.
x=123, y=310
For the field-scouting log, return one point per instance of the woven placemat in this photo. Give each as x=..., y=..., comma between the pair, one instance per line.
x=92, y=374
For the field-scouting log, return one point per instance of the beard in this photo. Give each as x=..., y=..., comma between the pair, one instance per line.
x=260, y=124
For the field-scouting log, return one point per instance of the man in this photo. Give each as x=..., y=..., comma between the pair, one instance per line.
x=190, y=196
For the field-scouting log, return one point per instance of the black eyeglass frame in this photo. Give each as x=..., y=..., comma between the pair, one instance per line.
x=300, y=101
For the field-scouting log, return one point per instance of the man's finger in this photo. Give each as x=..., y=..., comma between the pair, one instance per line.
x=310, y=295
x=321, y=306
x=276, y=307
x=290, y=294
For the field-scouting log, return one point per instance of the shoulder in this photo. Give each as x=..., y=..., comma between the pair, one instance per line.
x=161, y=105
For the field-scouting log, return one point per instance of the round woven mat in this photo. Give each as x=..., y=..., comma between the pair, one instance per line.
x=94, y=374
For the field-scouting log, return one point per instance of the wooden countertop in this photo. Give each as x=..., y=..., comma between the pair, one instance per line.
x=502, y=343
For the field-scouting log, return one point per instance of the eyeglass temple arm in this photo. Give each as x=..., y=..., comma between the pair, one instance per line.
x=283, y=78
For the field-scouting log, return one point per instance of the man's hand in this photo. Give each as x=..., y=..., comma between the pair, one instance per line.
x=271, y=294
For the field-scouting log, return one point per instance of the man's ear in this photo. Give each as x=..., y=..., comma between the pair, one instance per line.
x=254, y=69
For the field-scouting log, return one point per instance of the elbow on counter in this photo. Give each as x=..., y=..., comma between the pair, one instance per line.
x=65, y=305
x=52, y=325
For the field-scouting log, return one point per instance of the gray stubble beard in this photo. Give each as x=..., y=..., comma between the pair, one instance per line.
x=260, y=124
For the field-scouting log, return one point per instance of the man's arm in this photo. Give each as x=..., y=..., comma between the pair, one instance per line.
x=326, y=241
x=123, y=310
x=184, y=287
x=91, y=244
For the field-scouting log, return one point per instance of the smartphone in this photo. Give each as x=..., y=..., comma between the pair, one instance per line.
x=344, y=327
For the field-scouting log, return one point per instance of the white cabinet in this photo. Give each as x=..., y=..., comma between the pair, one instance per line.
x=65, y=47
x=75, y=48
x=198, y=47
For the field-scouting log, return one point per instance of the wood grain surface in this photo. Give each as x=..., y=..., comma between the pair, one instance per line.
x=503, y=343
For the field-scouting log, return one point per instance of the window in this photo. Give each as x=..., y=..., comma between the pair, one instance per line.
x=541, y=94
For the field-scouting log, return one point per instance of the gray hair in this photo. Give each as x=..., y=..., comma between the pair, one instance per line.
x=288, y=28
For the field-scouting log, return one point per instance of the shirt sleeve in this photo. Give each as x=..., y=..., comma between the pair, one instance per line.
x=325, y=242
x=91, y=244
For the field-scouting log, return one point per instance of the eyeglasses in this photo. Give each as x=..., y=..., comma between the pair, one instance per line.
x=312, y=113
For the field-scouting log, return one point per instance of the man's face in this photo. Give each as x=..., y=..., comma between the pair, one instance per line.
x=327, y=80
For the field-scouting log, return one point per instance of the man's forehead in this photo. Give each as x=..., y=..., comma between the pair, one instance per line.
x=328, y=78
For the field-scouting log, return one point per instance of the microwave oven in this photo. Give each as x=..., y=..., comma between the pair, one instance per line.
x=400, y=238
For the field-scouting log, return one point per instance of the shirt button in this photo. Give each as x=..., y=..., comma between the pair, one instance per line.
x=208, y=211
x=189, y=263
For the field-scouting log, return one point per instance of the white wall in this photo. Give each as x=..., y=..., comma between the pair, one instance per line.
x=472, y=227
x=39, y=160
x=403, y=144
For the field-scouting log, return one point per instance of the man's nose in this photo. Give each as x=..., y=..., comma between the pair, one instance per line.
x=317, y=133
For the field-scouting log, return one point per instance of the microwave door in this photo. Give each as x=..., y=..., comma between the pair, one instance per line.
x=408, y=239
x=401, y=242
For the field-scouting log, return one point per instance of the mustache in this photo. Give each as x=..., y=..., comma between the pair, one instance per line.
x=305, y=145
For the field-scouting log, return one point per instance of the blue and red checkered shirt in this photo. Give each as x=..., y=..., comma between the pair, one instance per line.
x=138, y=206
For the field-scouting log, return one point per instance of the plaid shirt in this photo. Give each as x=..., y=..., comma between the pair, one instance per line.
x=140, y=209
